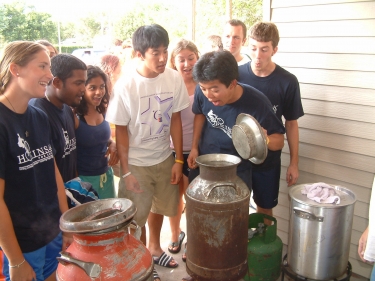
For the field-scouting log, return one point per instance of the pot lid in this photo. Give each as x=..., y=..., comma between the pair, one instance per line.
x=347, y=197
x=97, y=215
x=249, y=139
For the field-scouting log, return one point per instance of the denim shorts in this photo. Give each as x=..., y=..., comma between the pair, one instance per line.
x=43, y=261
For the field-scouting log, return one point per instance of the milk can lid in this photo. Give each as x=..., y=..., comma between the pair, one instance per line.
x=347, y=197
x=249, y=139
x=98, y=215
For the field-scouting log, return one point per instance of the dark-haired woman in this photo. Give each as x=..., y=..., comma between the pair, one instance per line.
x=96, y=151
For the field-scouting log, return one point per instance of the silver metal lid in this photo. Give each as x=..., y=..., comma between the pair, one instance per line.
x=249, y=139
x=98, y=215
x=347, y=197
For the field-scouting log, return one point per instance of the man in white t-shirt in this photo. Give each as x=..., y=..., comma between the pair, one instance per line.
x=146, y=109
x=234, y=37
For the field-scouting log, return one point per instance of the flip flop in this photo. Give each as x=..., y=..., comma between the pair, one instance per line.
x=177, y=244
x=164, y=260
x=155, y=275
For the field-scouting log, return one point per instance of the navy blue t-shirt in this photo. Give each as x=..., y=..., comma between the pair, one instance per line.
x=216, y=136
x=27, y=167
x=282, y=89
x=63, y=136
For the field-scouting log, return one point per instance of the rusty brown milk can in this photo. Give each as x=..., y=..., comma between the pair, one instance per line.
x=217, y=210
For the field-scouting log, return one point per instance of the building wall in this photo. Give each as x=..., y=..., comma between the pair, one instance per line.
x=330, y=46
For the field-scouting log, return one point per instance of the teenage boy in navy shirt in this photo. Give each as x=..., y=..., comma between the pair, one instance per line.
x=282, y=89
x=220, y=97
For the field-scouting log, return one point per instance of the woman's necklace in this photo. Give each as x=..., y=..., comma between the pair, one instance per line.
x=26, y=132
x=10, y=103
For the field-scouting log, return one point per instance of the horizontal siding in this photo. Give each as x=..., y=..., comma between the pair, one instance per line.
x=298, y=3
x=360, y=267
x=332, y=45
x=350, y=62
x=354, y=28
x=336, y=141
x=324, y=12
x=334, y=156
x=329, y=46
x=343, y=111
x=338, y=94
x=341, y=78
x=339, y=126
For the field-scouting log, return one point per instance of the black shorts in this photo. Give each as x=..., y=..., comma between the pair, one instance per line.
x=266, y=187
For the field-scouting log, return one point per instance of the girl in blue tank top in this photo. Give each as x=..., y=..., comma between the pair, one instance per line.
x=96, y=151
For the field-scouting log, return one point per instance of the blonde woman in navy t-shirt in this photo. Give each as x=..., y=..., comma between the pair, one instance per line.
x=32, y=195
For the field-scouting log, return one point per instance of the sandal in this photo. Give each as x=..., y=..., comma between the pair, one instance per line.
x=184, y=254
x=155, y=275
x=165, y=260
x=177, y=244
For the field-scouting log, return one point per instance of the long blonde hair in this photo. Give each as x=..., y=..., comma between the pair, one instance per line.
x=20, y=53
x=182, y=45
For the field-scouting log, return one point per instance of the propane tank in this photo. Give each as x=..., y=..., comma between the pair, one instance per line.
x=264, y=249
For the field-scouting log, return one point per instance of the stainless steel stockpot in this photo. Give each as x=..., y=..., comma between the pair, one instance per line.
x=319, y=234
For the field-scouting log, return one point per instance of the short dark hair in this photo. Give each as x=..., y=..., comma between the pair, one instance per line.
x=265, y=32
x=93, y=72
x=149, y=36
x=235, y=22
x=219, y=65
x=62, y=66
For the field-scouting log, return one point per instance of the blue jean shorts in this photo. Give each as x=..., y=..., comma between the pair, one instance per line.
x=43, y=261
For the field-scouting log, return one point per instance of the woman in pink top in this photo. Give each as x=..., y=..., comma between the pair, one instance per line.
x=183, y=58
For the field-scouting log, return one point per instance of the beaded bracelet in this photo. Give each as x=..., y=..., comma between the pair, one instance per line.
x=17, y=265
x=127, y=174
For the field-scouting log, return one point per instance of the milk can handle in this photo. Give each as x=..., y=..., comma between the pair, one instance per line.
x=138, y=230
x=93, y=270
x=212, y=186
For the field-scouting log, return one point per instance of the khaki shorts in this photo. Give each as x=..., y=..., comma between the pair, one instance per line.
x=159, y=195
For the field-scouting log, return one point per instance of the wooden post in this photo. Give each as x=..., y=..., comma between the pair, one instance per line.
x=228, y=9
x=192, y=21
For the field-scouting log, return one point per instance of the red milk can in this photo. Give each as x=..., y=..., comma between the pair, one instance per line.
x=102, y=248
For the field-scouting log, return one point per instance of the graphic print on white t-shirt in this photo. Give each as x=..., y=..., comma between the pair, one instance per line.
x=218, y=123
x=156, y=116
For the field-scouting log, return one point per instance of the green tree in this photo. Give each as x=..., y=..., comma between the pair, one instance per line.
x=169, y=16
x=211, y=15
x=88, y=27
x=21, y=22
x=40, y=26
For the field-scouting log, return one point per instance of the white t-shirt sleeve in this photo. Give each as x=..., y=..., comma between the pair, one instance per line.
x=181, y=100
x=118, y=111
